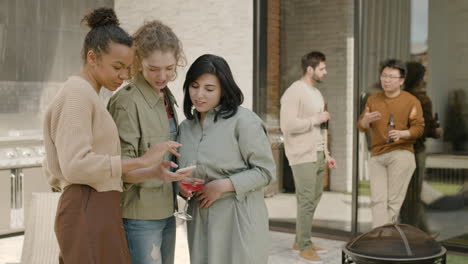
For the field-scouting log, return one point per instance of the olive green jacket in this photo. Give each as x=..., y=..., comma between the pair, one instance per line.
x=141, y=118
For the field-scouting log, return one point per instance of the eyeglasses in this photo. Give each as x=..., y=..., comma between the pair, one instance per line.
x=384, y=76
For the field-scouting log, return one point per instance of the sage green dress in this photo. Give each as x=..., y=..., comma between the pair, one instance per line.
x=234, y=229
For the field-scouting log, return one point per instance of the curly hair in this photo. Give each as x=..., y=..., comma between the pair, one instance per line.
x=105, y=28
x=152, y=36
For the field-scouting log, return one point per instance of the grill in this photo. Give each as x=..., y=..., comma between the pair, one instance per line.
x=21, y=157
x=20, y=175
x=393, y=243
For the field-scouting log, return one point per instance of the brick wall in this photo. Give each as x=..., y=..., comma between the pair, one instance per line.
x=223, y=28
x=327, y=26
x=273, y=91
x=273, y=63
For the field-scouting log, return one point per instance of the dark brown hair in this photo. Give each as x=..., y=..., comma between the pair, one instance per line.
x=312, y=59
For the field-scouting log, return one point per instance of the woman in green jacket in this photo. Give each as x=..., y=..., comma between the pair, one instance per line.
x=145, y=115
x=230, y=143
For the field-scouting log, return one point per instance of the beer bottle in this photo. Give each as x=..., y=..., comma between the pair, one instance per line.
x=324, y=125
x=436, y=119
x=390, y=126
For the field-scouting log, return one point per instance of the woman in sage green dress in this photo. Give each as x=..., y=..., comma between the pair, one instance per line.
x=230, y=218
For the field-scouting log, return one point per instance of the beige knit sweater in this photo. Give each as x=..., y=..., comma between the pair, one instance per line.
x=81, y=140
x=300, y=125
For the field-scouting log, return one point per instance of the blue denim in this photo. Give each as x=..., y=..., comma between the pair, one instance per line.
x=173, y=128
x=151, y=241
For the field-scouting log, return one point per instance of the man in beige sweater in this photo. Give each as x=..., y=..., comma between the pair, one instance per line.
x=305, y=141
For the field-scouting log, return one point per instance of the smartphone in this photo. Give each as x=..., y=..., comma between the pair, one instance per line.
x=186, y=169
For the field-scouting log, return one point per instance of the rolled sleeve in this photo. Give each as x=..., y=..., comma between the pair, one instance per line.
x=248, y=181
x=116, y=166
x=256, y=152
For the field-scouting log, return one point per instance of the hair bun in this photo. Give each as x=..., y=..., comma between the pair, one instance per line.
x=101, y=17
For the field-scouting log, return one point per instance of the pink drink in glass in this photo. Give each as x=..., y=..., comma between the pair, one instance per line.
x=193, y=187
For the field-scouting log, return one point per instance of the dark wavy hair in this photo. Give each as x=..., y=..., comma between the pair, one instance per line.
x=105, y=28
x=231, y=94
x=414, y=75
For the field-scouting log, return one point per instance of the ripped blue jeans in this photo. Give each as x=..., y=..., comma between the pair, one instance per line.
x=151, y=241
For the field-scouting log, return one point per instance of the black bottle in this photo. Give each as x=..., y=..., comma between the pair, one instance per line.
x=324, y=125
x=390, y=126
x=436, y=119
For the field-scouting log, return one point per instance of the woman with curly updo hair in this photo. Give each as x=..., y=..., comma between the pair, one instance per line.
x=145, y=116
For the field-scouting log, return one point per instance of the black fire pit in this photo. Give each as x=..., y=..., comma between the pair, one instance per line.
x=393, y=243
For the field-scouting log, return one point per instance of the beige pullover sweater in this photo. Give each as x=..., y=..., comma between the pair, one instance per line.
x=300, y=106
x=81, y=140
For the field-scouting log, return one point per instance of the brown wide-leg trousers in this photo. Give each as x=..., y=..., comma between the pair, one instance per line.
x=89, y=227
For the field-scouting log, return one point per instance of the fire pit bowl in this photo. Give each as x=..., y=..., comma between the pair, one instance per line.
x=393, y=243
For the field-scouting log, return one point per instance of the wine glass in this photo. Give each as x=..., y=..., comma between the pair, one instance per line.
x=192, y=183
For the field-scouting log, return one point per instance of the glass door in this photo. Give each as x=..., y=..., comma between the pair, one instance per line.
x=425, y=34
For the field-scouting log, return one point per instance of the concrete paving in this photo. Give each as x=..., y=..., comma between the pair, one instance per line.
x=280, y=252
x=333, y=212
x=11, y=248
